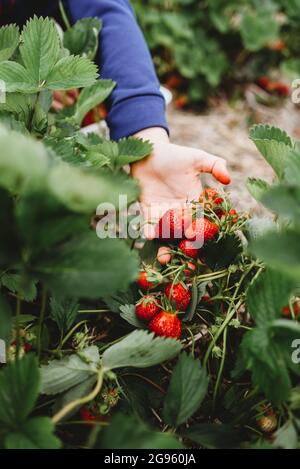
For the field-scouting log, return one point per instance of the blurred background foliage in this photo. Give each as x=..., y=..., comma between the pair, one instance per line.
x=203, y=46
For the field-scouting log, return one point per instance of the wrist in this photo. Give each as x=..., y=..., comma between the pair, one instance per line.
x=154, y=134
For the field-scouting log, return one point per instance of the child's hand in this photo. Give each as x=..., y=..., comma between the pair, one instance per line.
x=170, y=175
x=61, y=99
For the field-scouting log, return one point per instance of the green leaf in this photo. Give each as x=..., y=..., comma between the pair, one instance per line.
x=125, y=432
x=285, y=333
x=257, y=187
x=128, y=314
x=76, y=392
x=266, y=359
x=61, y=375
x=286, y=437
x=126, y=151
x=83, y=192
x=292, y=169
x=16, y=78
x=214, y=436
x=25, y=319
x=231, y=248
x=59, y=224
x=5, y=318
x=40, y=48
x=274, y=144
x=64, y=312
x=83, y=37
x=10, y=123
x=114, y=302
x=16, y=283
x=186, y=391
x=67, y=150
x=88, y=267
x=20, y=105
x=258, y=227
x=283, y=200
x=268, y=294
x=258, y=29
x=23, y=162
x=9, y=239
x=132, y=150
x=9, y=40
x=295, y=398
x=19, y=388
x=280, y=250
x=36, y=433
x=96, y=160
x=107, y=149
x=141, y=350
x=91, y=97
x=71, y=72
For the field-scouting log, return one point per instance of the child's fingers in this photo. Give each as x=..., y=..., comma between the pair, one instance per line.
x=207, y=163
x=57, y=105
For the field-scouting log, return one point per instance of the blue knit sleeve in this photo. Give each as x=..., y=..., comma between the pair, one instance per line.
x=136, y=103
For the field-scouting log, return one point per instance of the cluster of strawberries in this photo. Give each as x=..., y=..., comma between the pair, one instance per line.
x=164, y=287
x=278, y=87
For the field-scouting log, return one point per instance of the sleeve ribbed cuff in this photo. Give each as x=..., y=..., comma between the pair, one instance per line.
x=135, y=114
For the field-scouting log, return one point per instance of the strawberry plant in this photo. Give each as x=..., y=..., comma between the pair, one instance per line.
x=116, y=347
x=200, y=46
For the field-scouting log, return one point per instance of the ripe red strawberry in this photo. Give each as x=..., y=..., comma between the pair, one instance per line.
x=264, y=82
x=86, y=415
x=89, y=119
x=188, y=248
x=287, y=312
x=147, y=307
x=27, y=347
x=206, y=298
x=202, y=229
x=278, y=45
x=179, y=294
x=181, y=101
x=282, y=89
x=173, y=223
x=190, y=269
x=102, y=111
x=220, y=213
x=211, y=195
x=166, y=324
x=143, y=281
x=95, y=115
x=173, y=82
x=233, y=215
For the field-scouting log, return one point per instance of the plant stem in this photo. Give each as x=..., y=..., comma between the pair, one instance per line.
x=64, y=14
x=79, y=402
x=41, y=322
x=221, y=368
x=193, y=342
x=69, y=334
x=212, y=275
x=231, y=312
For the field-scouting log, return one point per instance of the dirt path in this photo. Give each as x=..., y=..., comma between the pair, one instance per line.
x=224, y=132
